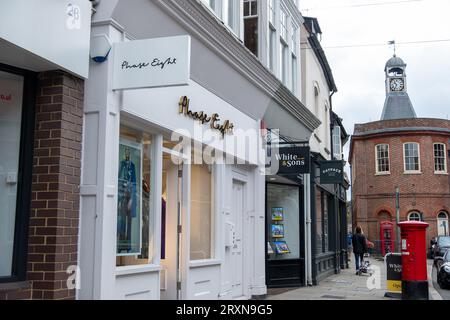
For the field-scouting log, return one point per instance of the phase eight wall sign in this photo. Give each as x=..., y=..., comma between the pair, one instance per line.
x=152, y=63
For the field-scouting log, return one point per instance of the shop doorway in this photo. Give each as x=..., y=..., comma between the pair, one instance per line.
x=171, y=226
x=236, y=250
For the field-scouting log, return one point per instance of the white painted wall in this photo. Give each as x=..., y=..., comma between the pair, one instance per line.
x=313, y=80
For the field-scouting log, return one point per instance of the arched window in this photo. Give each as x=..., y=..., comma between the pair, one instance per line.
x=414, y=216
x=442, y=224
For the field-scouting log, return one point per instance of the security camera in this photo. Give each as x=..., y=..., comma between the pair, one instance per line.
x=100, y=48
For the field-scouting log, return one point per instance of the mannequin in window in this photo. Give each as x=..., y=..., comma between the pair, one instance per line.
x=127, y=201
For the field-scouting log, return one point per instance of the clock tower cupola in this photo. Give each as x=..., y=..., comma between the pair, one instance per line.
x=398, y=104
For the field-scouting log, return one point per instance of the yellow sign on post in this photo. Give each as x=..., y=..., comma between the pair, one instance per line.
x=394, y=275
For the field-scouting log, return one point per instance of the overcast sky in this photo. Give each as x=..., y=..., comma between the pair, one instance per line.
x=359, y=71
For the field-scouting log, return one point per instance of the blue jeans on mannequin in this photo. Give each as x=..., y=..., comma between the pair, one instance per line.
x=358, y=260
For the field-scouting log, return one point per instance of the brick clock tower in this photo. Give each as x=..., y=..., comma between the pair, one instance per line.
x=400, y=151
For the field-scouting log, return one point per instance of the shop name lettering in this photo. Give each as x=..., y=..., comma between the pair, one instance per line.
x=332, y=170
x=156, y=63
x=6, y=97
x=290, y=160
x=225, y=128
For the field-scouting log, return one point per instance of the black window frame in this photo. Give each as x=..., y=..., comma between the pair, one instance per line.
x=24, y=175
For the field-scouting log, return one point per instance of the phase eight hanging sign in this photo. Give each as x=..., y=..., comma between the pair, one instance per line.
x=152, y=63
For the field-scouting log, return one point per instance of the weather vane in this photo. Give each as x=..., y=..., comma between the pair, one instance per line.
x=392, y=43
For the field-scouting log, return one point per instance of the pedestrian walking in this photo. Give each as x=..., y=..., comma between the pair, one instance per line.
x=359, y=243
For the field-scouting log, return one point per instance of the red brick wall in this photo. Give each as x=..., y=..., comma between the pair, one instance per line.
x=54, y=216
x=426, y=192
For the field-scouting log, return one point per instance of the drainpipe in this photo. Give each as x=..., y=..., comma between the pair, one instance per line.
x=308, y=249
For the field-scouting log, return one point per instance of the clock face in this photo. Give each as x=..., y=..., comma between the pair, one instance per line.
x=397, y=84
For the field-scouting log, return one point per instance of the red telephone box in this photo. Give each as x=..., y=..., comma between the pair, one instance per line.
x=414, y=260
x=387, y=237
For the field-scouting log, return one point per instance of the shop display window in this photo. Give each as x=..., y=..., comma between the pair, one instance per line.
x=11, y=91
x=134, y=187
x=283, y=222
x=202, y=212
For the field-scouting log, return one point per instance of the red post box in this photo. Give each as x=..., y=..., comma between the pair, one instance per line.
x=414, y=260
x=387, y=237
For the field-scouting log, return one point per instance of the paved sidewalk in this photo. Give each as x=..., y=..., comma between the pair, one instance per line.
x=343, y=286
x=348, y=286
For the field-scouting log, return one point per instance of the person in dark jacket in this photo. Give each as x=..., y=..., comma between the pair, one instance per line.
x=359, y=243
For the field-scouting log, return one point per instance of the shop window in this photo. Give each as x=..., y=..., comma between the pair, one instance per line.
x=283, y=222
x=251, y=25
x=11, y=90
x=134, y=187
x=440, y=158
x=202, y=212
x=319, y=224
x=382, y=156
x=322, y=225
x=412, y=157
x=16, y=143
x=325, y=224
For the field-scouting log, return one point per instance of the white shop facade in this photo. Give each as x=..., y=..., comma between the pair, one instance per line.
x=160, y=219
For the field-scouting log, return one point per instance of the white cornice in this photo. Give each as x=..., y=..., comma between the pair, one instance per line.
x=208, y=29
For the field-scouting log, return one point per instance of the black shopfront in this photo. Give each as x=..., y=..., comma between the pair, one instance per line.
x=329, y=220
x=285, y=227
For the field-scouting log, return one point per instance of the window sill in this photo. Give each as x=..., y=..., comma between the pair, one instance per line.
x=412, y=172
x=382, y=173
x=204, y=263
x=12, y=286
x=130, y=270
x=441, y=173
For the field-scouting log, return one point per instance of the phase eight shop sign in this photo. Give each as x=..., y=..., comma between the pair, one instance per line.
x=152, y=63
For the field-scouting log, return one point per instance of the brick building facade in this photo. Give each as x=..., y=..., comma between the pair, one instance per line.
x=54, y=207
x=425, y=191
x=405, y=152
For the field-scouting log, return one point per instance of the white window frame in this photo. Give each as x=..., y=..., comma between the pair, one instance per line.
x=445, y=158
x=235, y=26
x=284, y=20
x=404, y=159
x=414, y=213
x=377, y=169
x=272, y=13
x=337, y=154
x=294, y=74
x=284, y=62
x=272, y=49
x=294, y=37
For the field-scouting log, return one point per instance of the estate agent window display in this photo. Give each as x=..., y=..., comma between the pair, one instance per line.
x=283, y=222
